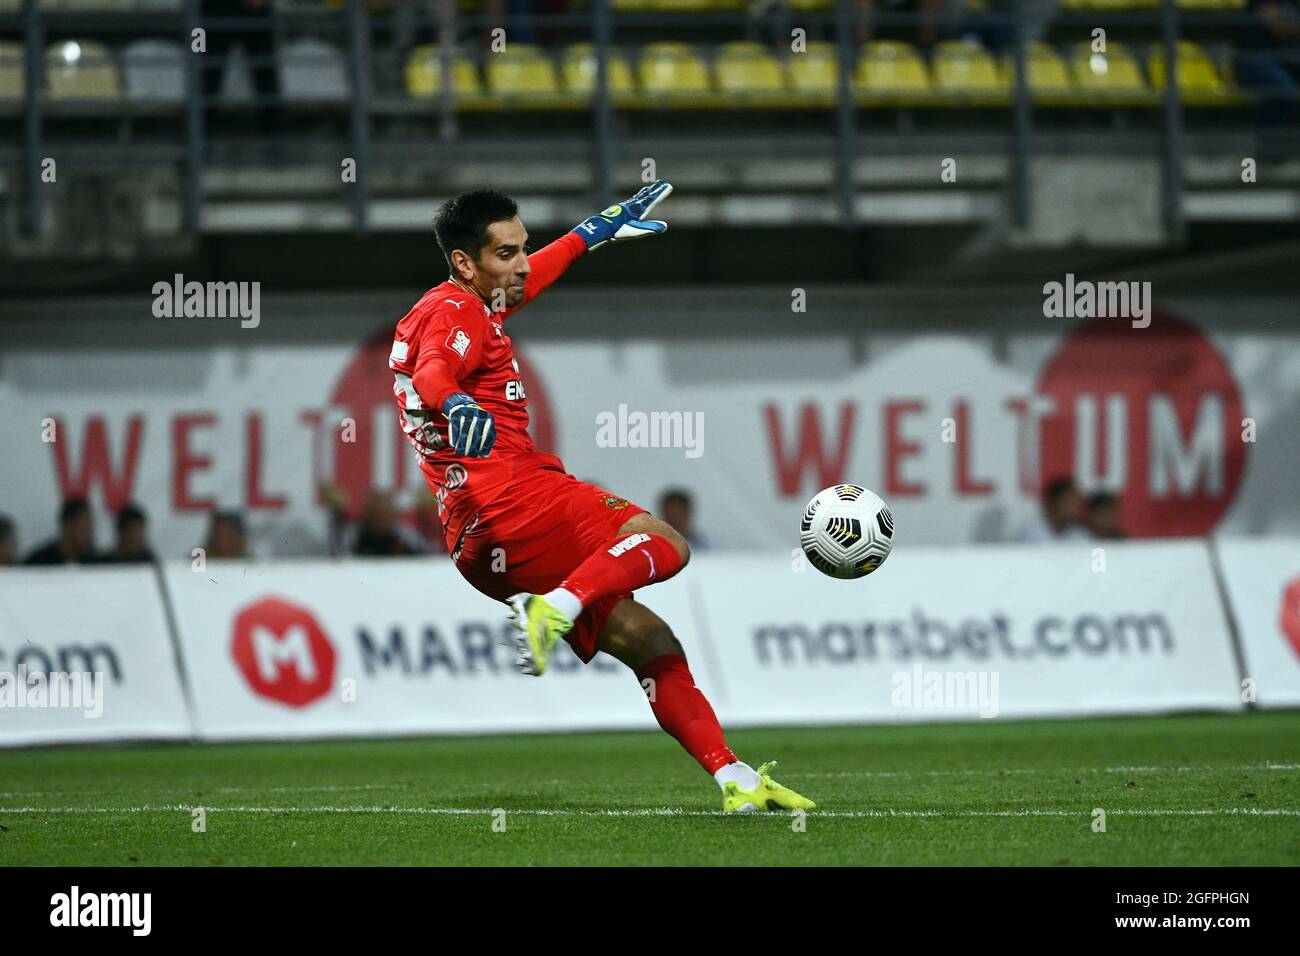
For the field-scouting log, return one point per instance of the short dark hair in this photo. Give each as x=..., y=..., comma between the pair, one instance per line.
x=676, y=496
x=463, y=221
x=1057, y=488
x=1102, y=499
x=131, y=513
x=73, y=508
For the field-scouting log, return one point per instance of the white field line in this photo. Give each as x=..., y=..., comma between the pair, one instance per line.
x=861, y=774
x=997, y=772
x=668, y=812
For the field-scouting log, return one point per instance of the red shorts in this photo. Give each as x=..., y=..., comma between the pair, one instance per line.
x=534, y=534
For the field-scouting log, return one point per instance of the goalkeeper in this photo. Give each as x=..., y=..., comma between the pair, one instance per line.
x=564, y=555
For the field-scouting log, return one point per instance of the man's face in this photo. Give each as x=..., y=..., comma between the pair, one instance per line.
x=1104, y=519
x=503, y=264
x=1068, y=506
x=80, y=531
x=678, y=515
x=130, y=539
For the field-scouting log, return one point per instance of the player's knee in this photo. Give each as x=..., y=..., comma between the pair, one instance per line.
x=681, y=544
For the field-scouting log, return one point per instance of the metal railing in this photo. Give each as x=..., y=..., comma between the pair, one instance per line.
x=356, y=24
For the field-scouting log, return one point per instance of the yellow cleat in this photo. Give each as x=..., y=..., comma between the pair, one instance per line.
x=768, y=795
x=540, y=628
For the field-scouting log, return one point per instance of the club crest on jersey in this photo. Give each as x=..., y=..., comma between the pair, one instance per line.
x=458, y=341
x=614, y=502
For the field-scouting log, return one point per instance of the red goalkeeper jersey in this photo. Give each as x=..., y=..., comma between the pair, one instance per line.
x=451, y=341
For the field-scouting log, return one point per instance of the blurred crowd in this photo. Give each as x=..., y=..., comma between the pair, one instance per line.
x=1067, y=515
x=379, y=529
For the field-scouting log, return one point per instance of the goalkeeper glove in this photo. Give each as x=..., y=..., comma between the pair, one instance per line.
x=470, y=429
x=626, y=220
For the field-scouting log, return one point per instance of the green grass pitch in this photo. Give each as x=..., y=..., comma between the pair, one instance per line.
x=1181, y=790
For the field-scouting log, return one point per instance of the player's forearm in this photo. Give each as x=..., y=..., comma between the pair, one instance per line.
x=434, y=380
x=552, y=261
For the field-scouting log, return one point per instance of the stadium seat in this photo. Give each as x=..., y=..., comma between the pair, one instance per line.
x=11, y=70
x=967, y=71
x=815, y=71
x=88, y=6
x=1048, y=77
x=747, y=69
x=674, y=70
x=424, y=74
x=893, y=71
x=1112, y=77
x=521, y=70
x=686, y=6
x=578, y=71
x=313, y=70
x=1199, y=81
x=81, y=70
x=153, y=71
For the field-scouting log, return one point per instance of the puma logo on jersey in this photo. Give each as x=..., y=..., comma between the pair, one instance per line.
x=627, y=544
x=458, y=341
x=456, y=304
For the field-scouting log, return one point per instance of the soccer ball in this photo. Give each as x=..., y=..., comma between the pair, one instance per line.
x=846, y=531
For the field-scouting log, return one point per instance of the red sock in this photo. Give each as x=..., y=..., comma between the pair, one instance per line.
x=683, y=711
x=631, y=561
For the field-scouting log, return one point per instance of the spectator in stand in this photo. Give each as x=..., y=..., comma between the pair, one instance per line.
x=75, y=543
x=131, y=546
x=8, y=542
x=1261, y=64
x=377, y=533
x=1062, y=515
x=1103, y=517
x=677, y=508
x=226, y=537
x=250, y=24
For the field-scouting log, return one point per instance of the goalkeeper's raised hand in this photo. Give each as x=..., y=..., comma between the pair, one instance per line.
x=470, y=429
x=626, y=220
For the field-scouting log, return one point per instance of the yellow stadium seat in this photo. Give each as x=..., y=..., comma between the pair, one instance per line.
x=672, y=68
x=678, y=6
x=1199, y=81
x=746, y=68
x=1113, y=76
x=520, y=70
x=424, y=74
x=82, y=70
x=816, y=70
x=892, y=70
x=967, y=70
x=578, y=71
x=11, y=70
x=1045, y=72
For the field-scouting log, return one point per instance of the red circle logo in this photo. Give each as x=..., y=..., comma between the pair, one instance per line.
x=1151, y=415
x=1289, y=615
x=283, y=652
x=365, y=390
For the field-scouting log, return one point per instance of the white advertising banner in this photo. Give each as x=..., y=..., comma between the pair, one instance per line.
x=1263, y=579
x=85, y=656
x=968, y=633
x=376, y=648
x=956, y=432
